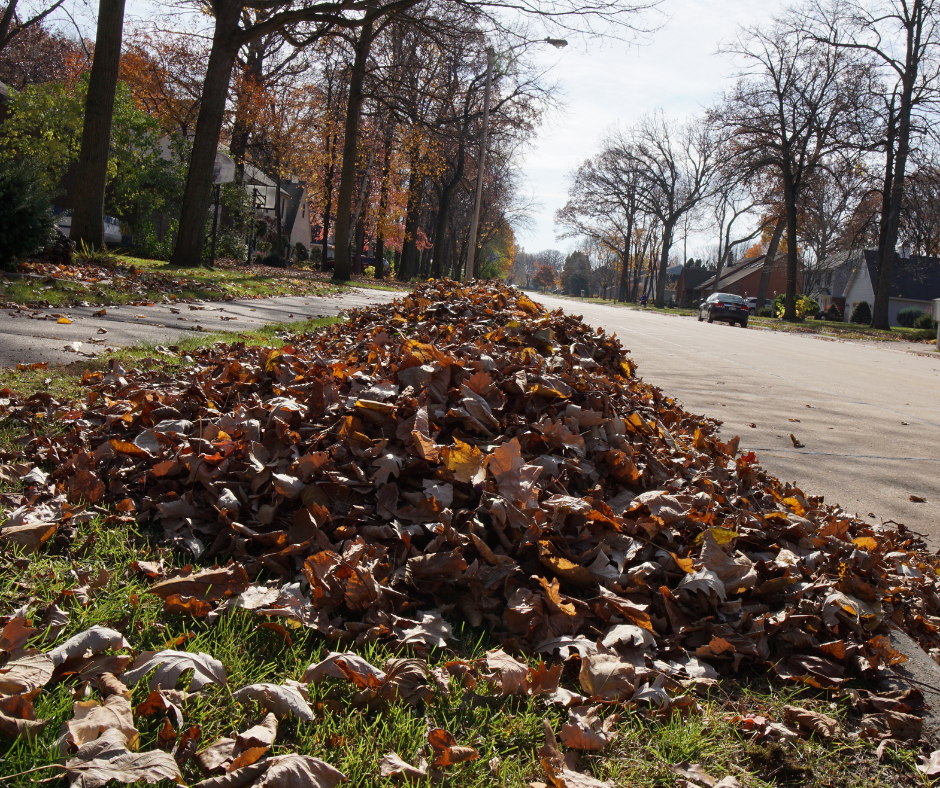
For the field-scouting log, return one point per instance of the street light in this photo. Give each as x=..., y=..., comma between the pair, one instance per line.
x=558, y=43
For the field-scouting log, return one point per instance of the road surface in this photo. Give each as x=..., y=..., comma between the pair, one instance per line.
x=29, y=335
x=868, y=413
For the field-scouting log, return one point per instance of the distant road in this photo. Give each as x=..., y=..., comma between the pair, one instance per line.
x=858, y=450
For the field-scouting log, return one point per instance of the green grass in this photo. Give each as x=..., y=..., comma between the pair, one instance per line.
x=64, y=382
x=354, y=739
x=160, y=282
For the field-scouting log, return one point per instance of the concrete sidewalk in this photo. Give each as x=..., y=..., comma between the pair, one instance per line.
x=31, y=335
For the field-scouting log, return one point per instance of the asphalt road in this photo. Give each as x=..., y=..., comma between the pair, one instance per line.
x=29, y=335
x=868, y=413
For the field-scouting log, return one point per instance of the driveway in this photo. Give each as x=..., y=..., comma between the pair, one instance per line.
x=29, y=335
x=868, y=413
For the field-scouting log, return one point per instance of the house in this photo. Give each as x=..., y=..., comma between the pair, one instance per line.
x=294, y=203
x=915, y=282
x=689, y=279
x=832, y=277
x=742, y=278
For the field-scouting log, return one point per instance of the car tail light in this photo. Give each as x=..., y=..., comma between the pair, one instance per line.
x=719, y=303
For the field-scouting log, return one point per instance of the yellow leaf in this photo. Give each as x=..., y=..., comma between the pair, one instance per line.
x=723, y=535
x=64, y=320
x=464, y=461
x=866, y=542
x=795, y=506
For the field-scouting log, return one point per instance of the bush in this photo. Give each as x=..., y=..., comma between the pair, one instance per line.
x=301, y=255
x=804, y=306
x=369, y=271
x=861, y=313
x=765, y=312
x=924, y=320
x=274, y=260
x=26, y=219
x=907, y=317
x=832, y=313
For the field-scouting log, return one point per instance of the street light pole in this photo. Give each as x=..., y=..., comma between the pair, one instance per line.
x=558, y=43
x=472, y=244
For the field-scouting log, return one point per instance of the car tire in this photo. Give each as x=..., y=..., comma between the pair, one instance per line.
x=744, y=324
x=710, y=318
x=700, y=318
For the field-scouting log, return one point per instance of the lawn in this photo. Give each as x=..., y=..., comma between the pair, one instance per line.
x=111, y=279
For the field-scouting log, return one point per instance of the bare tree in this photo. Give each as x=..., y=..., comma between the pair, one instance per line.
x=677, y=164
x=793, y=107
x=902, y=36
x=731, y=203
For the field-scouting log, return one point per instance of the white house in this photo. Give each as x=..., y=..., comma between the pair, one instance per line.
x=915, y=282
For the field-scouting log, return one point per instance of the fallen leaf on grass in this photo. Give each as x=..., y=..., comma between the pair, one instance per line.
x=585, y=730
x=556, y=769
x=284, y=771
x=90, y=719
x=108, y=758
x=15, y=634
x=606, y=677
x=931, y=764
x=26, y=673
x=94, y=640
x=278, y=698
x=446, y=750
x=208, y=585
x=824, y=726
x=170, y=665
x=393, y=766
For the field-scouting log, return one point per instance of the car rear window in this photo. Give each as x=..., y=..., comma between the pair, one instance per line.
x=731, y=299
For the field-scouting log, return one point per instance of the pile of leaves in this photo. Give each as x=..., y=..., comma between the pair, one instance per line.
x=462, y=455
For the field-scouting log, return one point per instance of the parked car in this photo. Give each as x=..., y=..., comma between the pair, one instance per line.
x=752, y=304
x=724, y=306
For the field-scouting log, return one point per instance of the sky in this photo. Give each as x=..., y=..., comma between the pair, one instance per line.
x=610, y=84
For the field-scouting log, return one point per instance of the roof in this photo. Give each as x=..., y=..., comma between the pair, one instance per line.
x=295, y=194
x=693, y=277
x=735, y=273
x=914, y=277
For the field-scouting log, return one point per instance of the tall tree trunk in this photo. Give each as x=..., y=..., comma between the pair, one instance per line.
x=341, y=265
x=91, y=175
x=893, y=220
x=197, y=196
x=767, y=267
x=664, y=262
x=443, y=215
x=278, y=217
x=408, y=265
x=789, y=198
x=383, y=203
x=625, y=264
x=328, y=207
x=254, y=65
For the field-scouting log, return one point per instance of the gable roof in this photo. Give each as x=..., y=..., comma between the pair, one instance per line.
x=914, y=277
x=735, y=273
x=693, y=277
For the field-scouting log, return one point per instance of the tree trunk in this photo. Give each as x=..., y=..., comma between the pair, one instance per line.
x=789, y=199
x=892, y=223
x=279, y=222
x=625, y=265
x=443, y=214
x=328, y=189
x=767, y=267
x=91, y=175
x=408, y=266
x=664, y=263
x=341, y=264
x=197, y=196
x=383, y=203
